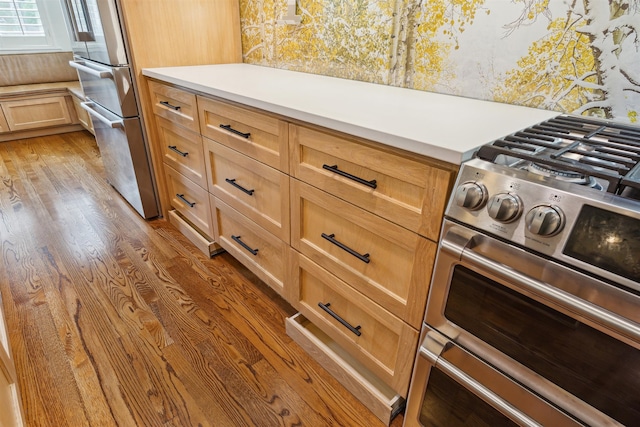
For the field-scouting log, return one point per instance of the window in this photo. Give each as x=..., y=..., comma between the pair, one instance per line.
x=32, y=26
x=20, y=18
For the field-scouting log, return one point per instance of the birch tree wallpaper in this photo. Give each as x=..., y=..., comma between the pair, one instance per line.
x=572, y=56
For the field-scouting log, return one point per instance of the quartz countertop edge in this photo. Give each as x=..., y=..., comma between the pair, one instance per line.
x=444, y=127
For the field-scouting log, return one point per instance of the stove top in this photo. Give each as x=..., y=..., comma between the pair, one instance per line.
x=596, y=153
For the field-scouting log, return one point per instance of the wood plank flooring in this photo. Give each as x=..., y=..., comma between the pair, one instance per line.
x=117, y=321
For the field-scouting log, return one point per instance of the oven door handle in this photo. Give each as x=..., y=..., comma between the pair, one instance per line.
x=432, y=349
x=557, y=296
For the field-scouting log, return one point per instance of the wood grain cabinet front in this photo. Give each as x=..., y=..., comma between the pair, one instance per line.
x=25, y=114
x=408, y=190
x=254, y=133
x=183, y=150
x=260, y=251
x=254, y=189
x=191, y=200
x=175, y=104
x=386, y=262
x=375, y=337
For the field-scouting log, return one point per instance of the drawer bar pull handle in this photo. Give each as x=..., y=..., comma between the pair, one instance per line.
x=244, y=245
x=331, y=238
x=357, y=179
x=237, y=132
x=173, y=107
x=325, y=307
x=181, y=197
x=238, y=186
x=175, y=148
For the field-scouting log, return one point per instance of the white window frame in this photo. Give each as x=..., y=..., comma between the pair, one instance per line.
x=55, y=39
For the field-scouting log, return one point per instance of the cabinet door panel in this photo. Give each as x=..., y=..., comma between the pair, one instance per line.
x=259, y=250
x=254, y=189
x=383, y=343
x=191, y=200
x=258, y=135
x=182, y=150
x=174, y=104
x=406, y=190
x=384, y=261
x=37, y=113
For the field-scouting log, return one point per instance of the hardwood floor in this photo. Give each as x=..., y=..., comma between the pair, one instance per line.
x=116, y=321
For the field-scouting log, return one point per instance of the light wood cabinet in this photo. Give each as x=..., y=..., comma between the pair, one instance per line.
x=175, y=105
x=397, y=186
x=256, y=134
x=34, y=113
x=386, y=262
x=343, y=228
x=258, y=191
x=183, y=150
x=190, y=200
x=183, y=168
x=378, y=339
x=10, y=404
x=260, y=251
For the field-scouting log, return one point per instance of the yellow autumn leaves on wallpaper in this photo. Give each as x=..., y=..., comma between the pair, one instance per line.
x=578, y=56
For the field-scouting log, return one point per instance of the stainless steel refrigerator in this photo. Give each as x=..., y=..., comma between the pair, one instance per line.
x=102, y=61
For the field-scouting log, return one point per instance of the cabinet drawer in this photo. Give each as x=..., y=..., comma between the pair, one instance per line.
x=407, y=190
x=191, y=200
x=252, y=188
x=376, y=338
x=37, y=113
x=386, y=262
x=260, y=251
x=175, y=104
x=255, y=134
x=182, y=150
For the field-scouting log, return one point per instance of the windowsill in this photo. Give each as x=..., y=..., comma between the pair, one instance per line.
x=17, y=51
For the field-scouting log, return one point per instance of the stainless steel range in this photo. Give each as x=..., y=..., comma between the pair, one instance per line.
x=533, y=315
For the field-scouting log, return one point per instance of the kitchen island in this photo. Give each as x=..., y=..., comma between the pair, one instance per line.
x=331, y=191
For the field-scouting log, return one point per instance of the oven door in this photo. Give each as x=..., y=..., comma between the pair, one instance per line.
x=451, y=387
x=569, y=337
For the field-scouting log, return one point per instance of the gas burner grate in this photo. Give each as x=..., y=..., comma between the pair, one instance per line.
x=590, y=147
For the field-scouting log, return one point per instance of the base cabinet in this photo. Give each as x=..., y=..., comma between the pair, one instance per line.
x=343, y=228
x=28, y=114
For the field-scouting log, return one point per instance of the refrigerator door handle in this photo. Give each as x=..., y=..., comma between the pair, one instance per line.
x=88, y=106
x=103, y=73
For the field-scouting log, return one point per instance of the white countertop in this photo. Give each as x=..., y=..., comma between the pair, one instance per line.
x=444, y=127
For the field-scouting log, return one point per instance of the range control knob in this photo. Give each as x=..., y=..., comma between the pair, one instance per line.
x=471, y=195
x=545, y=220
x=504, y=207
